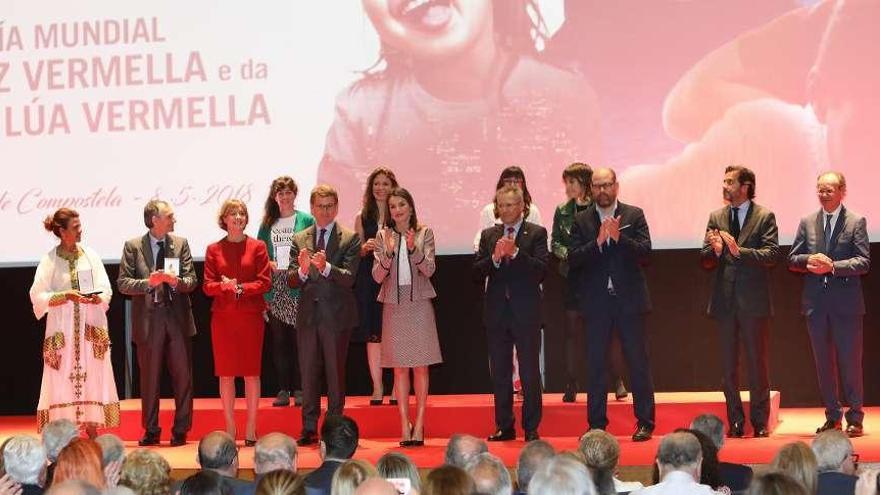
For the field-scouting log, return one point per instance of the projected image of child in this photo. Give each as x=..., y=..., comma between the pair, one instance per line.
x=460, y=94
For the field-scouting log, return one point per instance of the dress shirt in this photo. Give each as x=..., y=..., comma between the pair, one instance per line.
x=516, y=227
x=328, y=228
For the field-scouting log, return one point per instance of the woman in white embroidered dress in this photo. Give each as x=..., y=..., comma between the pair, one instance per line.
x=73, y=290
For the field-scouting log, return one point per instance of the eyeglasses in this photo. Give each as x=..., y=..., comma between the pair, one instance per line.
x=603, y=185
x=855, y=459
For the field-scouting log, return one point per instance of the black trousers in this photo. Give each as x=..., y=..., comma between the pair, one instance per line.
x=284, y=353
x=753, y=332
x=327, y=344
x=527, y=339
x=166, y=345
x=837, y=348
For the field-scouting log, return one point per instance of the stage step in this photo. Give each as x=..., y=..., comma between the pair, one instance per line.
x=448, y=414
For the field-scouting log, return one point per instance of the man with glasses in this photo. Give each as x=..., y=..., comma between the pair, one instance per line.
x=324, y=268
x=609, y=244
x=836, y=462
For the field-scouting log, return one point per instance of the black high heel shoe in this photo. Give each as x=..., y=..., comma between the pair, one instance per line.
x=249, y=443
x=417, y=443
x=408, y=443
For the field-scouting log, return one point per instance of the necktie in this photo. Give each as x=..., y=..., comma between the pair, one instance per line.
x=321, y=245
x=734, y=222
x=160, y=256
x=510, y=232
x=828, y=230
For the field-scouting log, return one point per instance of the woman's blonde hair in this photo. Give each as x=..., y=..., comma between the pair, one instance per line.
x=350, y=475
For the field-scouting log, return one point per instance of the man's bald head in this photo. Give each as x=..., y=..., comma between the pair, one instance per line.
x=217, y=452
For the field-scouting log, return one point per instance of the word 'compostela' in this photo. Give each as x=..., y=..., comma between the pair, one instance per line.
x=84, y=33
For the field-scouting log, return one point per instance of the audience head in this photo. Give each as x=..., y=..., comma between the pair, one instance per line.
x=797, y=460
x=462, y=448
x=73, y=487
x=205, y=483
x=112, y=448
x=350, y=475
x=532, y=456
x=80, y=460
x=774, y=483
x=217, y=452
x=339, y=437
x=712, y=426
x=680, y=451
x=275, y=451
x=601, y=453
x=24, y=459
x=490, y=475
x=448, y=480
x=834, y=452
x=562, y=475
x=375, y=486
x=56, y=435
x=146, y=473
x=709, y=474
x=397, y=465
x=280, y=482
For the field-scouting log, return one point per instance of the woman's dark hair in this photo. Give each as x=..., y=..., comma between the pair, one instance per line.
x=517, y=173
x=582, y=173
x=59, y=220
x=205, y=482
x=399, y=192
x=370, y=209
x=271, y=212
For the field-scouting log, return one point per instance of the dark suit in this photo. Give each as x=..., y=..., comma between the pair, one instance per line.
x=740, y=303
x=512, y=315
x=622, y=308
x=833, y=483
x=327, y=312
x=833, y=305
x=318, y=482
x=162, y=327
x=737, y=477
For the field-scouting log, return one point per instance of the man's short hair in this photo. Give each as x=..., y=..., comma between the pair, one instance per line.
x=601, y=453
x=274, y=451
x=153, y=209
x=24, y=458
x=841, y=180
x=56, y=435
x=532, y=457
x=745, y=177
x=224, y=454
x=711, y=426
x=323, y=191
x=509, y=189
x=831, y=447
x=205, y=483
x=562, y=475
x=461, y=448
x=490, y=475
x=340, y=436
x=679, y=449
x=112, y=448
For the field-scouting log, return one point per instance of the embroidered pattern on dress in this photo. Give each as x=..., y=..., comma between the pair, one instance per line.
x=52, y=346
x=100, y=339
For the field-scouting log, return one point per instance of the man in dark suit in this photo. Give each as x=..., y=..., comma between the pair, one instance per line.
x=513, y=255
x=836, y=462
x=610, y=243
x=218, y=453
x=324, y=269
x=742, y=245
x=157, y=271
x=339, y=441
x=832, y=248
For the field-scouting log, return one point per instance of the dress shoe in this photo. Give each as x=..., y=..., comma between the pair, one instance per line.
x=249, y=443
x=307, y=438
x=392, y=402
x=570, y=392
x=282, y=400
x=829, y=425
x=735, y=430
x=178, y=440
x=149, y=440
x=620, y=392
x=643, y=434
x=855, y=430
x=761, y=431
x=298, y=398
x=532, y=435
x=502, y=435
x=376, y=402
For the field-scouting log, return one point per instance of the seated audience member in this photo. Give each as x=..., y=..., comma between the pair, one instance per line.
x=376, y=486
x=339, y=439
x=601, y=452
x=146, y=473
x=837, y=463
x=448, y=480
x=274, y=451
x=798, y=461
x=73, y=487
x=205, y=483
x=112, y=448
x=350, y=475
x=80, y=460
x=773, y=483
x=56, y=435
x=280, y=482
x=678, y=461
x=490, y=475
x=398, y=465
x=24, y=459
x=461, y=448
x=531, y=457
x=218, y=453
x=734, y=476
x=562, y=475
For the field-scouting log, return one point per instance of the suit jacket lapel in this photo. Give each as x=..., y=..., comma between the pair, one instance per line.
x=820, y=232
x=841, y=219
x=748, y=224
x=147, y=249
x=333, y=241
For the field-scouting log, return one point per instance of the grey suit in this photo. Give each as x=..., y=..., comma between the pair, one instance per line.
x=162, y=327
x=327, y=312
x=740, y=303
x=833, y=305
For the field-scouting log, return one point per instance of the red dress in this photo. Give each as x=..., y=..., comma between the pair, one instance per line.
x=237, y=323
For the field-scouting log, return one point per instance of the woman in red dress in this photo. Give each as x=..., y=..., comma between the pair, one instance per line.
x=237, y=274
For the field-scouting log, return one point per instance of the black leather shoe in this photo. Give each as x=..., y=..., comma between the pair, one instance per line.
x=376, y=402
x=570, y=392
x=532, y=435
x=307, y=438
x=735, y=430
x=282, y=400
x=502, y=435
x=249, y=443
x=642, y=434
x=149, y=440
x=855, y=430
x=392, y=402
x=829, y=425
x=761, y=432
x=178, y=440
x=620, y=392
